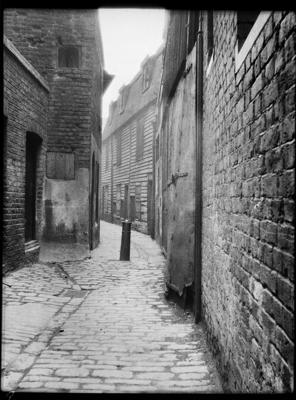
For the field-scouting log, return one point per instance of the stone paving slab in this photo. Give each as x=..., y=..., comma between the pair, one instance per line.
x=102, y=326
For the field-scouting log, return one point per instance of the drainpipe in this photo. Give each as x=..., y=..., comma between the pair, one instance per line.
x=152, y=233
x=111, y=194
x=198, y=174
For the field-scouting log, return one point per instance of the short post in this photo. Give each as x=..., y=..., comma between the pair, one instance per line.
x=125, y=241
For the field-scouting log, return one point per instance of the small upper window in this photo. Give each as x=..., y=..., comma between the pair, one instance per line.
x=123, y=99
x=245, y=21
x=147, y=75
x=249, y=26
x=68, y=57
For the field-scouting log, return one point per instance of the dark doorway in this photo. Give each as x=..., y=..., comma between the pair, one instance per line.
x=125, y=210
x=92, y=198
x=33, y=143
x=149, y=207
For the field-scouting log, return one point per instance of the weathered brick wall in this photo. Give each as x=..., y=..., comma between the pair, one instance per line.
x=37, y=34
x=248, y=205
x=75, y=107
x=25, y=107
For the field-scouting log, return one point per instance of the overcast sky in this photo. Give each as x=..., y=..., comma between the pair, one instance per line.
x=128, y=36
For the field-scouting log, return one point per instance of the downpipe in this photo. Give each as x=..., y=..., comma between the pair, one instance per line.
x=198, y=176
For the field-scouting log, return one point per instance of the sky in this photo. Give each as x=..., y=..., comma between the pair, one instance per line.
x=128, y=36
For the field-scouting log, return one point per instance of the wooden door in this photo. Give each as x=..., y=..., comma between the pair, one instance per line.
x=30, y=188
x=149, y=207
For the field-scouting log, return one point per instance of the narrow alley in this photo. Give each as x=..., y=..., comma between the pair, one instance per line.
x=101, y=325
x=174, y=127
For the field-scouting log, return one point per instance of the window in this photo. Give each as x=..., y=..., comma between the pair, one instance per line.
x=210, y=35
x=140, y=139
x=138, y=202
x=123, y=99
x=68, y=57
x=249, y=26
x=147, y=75
x=118, y=190
x=245, y=21
x=60, y=165
x=118, y=148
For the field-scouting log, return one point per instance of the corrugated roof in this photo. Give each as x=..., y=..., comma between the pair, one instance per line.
x=136, y=98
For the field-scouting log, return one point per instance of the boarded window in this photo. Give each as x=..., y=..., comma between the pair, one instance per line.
x=245, y=21
x=118, y=194
x=138, y=202
x=140, y=139
x=68, y=57
x=60, y=165
x=118, y=148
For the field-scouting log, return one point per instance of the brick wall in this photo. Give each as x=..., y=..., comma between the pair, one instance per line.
x=248, y=205
x=74, y=111
x=25, y=107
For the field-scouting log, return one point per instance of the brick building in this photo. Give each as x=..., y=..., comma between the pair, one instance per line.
x=24, y=143
x=127, y=152
x=225, y=186
x=64, y=46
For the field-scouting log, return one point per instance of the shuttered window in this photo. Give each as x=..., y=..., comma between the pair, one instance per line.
x=140, y=139
x=60, y=165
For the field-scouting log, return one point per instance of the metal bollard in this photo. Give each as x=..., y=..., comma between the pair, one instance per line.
x=125, y=241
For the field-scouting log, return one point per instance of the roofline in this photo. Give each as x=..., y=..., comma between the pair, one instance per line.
x=25, y=63
x=127, y=122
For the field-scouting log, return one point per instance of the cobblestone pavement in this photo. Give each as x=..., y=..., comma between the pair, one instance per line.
x=101, y=325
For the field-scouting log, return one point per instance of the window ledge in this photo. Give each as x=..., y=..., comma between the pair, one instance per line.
x=252, y=36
